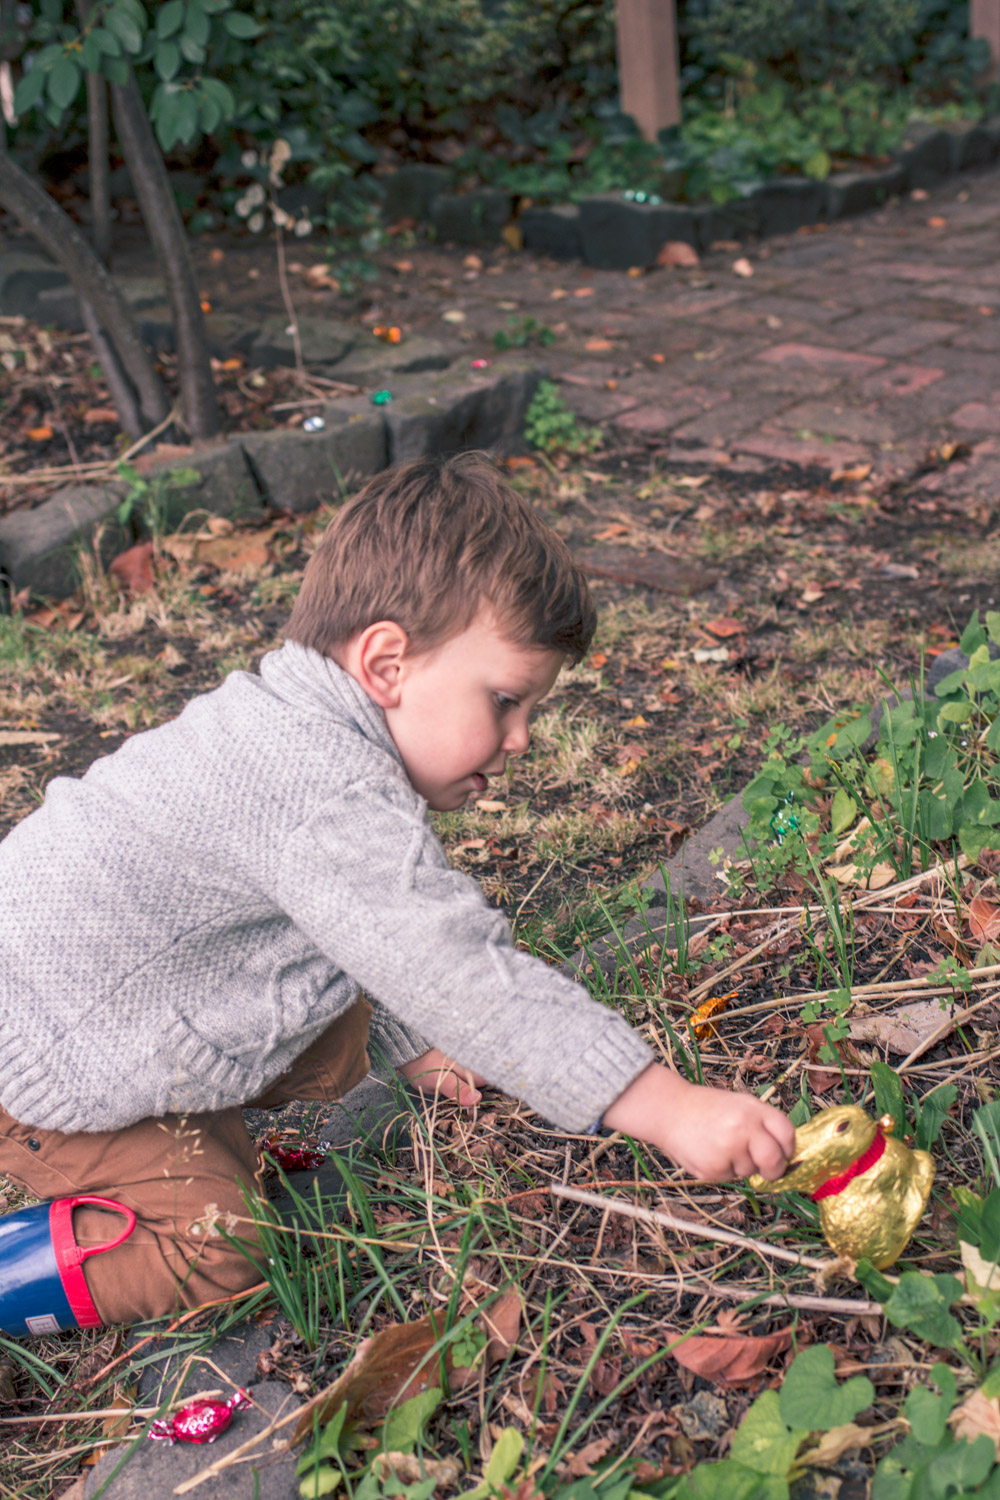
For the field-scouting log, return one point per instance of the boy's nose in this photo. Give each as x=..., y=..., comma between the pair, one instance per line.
x=517, y=739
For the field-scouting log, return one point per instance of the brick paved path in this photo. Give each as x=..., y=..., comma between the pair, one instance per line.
x=872, y=339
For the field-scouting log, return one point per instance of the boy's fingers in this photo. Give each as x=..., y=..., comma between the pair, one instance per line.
x=770, y=1157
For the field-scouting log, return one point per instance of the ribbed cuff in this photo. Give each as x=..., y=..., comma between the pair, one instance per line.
x=393, y=1041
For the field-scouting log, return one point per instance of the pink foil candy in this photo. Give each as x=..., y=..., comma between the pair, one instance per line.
x=200, y=1422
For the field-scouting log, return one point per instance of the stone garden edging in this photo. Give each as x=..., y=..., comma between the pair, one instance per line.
x=612, y=232
x=288, y=469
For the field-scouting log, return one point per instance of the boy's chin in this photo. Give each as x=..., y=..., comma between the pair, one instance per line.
x=452, y=800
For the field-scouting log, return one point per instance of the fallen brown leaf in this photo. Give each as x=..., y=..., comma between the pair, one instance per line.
x=903, y=1029
x=984, y=919
x=411, y=1468
x=677, y=253
x=583, y=1462
x=733, y=1359
x=854, y=474
x=133, y=569
x=725, y=626
x=977, y=1414
x=95, y=414
x=598, y=346
x=502, y=1323
x=834, y=1444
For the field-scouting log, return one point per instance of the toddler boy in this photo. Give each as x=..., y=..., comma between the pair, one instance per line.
x=188, y=929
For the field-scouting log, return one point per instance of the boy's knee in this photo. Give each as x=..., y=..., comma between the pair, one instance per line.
x=164, y=1269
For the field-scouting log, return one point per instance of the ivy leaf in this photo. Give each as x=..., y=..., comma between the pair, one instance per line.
x=504, y=1459
x=169, y=18
x=241, y=26
x=63, y=81
x=196, y=27
x=811, y=1397
x=29, y=90
x=124, y=28
x=927, y=1415
x=404, y=1427
x=842, y=812
x=729, y=1480
x=320, y=1482
x=921, y=1303
x=961, y=1467
x=166, y=60
x=763, y=1441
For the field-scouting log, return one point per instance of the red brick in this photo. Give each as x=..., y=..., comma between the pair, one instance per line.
x=657, y=418
x=860, y=424
x=910, y=335
x=900, y=380
x=814, y=356
x=977, y=415
x=648, y=570
x=912, y=270
x=786, y=449
x=968, y=296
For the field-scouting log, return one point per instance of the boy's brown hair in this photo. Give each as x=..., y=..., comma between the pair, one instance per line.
x=430, y=543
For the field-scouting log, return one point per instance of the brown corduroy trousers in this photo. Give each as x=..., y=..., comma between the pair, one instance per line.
x=182, y=1176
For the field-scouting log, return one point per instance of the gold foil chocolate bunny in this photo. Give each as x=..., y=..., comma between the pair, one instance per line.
x=871, y=1189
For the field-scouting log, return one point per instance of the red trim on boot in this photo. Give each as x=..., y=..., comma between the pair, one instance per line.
x=70, y=1256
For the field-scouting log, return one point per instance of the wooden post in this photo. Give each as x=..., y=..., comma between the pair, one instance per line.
x=984, y=21
x=647, y=63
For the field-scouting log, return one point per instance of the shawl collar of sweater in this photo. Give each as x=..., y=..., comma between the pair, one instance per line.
x=306, y=679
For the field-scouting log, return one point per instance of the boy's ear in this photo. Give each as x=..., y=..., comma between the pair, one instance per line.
x=374, y=659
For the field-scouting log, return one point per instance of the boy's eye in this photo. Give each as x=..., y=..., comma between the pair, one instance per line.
x=504, y=703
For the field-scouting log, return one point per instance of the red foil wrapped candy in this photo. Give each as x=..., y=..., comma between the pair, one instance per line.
x=200, y=1422
x=292, y=1157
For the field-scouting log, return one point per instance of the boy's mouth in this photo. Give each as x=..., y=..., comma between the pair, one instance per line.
x=479, y=781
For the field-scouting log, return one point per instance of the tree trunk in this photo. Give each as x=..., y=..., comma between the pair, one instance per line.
x=100, y=197
x=166, y=230
x=55, y=231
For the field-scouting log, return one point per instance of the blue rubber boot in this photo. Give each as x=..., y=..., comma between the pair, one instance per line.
x=42, y=1285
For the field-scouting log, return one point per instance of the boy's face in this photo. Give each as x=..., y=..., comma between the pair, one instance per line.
x=463, y=707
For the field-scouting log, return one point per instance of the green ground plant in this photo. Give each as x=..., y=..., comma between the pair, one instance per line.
x=928, y=788
x=551, y=426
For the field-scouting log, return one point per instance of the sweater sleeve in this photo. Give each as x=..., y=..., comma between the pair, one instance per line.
x=367, y=880
x=391, y=1039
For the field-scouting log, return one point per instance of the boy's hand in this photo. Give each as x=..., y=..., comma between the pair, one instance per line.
x=433, y=1073
x=711, y=1133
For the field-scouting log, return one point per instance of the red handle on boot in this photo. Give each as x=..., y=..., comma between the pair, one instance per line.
x=70, y=1256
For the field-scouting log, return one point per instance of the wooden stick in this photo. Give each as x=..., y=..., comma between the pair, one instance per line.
x=113, y=1411
x=682, y=1226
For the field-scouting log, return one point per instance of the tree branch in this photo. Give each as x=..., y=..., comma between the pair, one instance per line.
x=166, y=230
x=92, y=282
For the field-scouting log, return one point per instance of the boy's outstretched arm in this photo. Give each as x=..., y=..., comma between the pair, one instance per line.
x=711, y=1133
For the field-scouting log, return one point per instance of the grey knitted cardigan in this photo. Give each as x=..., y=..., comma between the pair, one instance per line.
x=178, y=925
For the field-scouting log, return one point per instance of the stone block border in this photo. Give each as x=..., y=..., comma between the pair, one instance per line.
x=612, y=232
x=286, y=470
